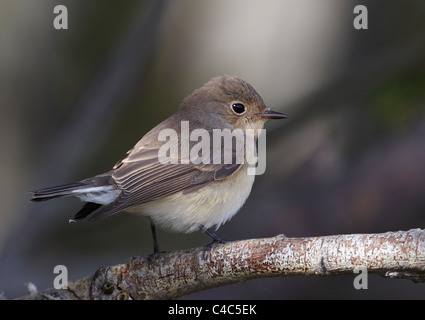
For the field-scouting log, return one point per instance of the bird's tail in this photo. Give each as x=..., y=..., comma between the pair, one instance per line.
x=64, y=190
x=96, y=191
x=91, y=188
x=57, y=191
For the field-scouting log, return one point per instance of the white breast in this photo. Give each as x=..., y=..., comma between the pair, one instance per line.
x=210, y=206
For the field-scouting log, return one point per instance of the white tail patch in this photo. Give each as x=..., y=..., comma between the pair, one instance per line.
x=102, y=195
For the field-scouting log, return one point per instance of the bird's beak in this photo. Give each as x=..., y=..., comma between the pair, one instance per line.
x=270, y=114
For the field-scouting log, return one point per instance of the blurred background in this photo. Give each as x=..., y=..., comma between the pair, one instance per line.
x=349, y=159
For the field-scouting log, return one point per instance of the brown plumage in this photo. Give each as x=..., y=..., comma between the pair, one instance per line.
x=183, y=196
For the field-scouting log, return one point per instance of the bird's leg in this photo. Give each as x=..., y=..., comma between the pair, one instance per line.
x=216, y=239
x=156, y=249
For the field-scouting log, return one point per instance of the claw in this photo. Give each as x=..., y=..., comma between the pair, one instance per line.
x=216, y=240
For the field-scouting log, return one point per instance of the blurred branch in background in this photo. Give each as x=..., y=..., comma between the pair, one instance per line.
x=365, y=133
x=105, y=96
x=176, y=274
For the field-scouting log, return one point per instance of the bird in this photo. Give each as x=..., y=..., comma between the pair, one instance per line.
x=181, y=195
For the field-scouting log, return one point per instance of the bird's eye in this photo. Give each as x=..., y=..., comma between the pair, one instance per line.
x=238, y=108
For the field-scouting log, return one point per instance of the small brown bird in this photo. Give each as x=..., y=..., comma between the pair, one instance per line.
x=176, y=190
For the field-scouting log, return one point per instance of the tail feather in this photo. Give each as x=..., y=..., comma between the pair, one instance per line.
x=87, y=209
x=56, y=191
x=95, y=191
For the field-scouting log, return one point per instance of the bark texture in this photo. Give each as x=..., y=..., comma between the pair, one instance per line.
x=172, y=275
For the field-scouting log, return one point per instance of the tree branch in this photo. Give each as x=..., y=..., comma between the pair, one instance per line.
x=172, y=275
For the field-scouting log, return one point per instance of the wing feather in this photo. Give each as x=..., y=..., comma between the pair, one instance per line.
x=144, y=178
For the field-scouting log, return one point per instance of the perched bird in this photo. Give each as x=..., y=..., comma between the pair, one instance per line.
x=181, y=192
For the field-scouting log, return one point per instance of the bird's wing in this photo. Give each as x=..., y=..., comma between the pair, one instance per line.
x=141, y=177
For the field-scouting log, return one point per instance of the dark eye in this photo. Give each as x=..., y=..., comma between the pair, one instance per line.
x=238, y=108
